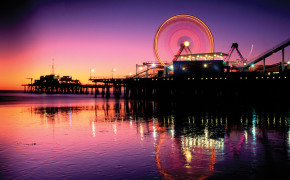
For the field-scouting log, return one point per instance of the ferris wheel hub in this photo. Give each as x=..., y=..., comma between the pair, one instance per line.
x=186, y=43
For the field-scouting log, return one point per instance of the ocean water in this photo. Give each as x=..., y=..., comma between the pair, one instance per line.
x=80, y=137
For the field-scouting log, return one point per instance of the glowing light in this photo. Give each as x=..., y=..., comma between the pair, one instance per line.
x=253, y=65
x=188, y=156
x=153, y=65
x=115, y=128
x=93, y=129
x=141, y=132
x=172, y=133
x=186, y=43
x=205, y=65
x=93, y=70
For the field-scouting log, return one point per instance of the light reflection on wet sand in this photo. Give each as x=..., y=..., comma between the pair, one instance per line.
x=115, y=139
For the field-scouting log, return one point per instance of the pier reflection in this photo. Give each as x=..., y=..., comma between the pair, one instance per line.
x=197, y=141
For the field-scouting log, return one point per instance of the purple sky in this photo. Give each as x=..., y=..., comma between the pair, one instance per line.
x=83, y=34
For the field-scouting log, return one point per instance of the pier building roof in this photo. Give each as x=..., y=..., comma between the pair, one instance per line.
x=202, y=56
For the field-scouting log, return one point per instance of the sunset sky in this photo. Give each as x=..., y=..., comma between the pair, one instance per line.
x=82, y=34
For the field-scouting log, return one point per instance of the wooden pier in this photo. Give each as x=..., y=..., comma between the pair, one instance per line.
x=103, y=89
x=59, y=89
x=244, y=85
x=227, y=85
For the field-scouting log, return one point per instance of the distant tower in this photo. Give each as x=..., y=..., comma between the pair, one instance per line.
x=52, y=67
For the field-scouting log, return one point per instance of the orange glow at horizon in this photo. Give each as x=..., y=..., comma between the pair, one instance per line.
x=81, y=36
x=71, y=59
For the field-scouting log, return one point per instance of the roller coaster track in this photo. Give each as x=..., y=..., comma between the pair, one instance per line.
x=268, y=53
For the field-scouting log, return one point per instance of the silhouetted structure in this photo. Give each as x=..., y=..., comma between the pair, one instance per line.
x=204, y=75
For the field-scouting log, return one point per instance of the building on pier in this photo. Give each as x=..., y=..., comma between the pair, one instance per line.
x=68, y=80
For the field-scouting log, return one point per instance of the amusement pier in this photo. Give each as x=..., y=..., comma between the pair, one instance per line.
x=194, y=71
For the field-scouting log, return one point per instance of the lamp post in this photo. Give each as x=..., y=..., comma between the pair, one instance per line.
x=153, y=66
x=113, y=70
x=91, y=71
x=140, y=67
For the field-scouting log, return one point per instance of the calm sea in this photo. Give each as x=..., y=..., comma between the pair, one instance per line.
x=80, y=137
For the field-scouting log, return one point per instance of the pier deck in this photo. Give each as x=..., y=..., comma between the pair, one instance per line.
x=245, y=85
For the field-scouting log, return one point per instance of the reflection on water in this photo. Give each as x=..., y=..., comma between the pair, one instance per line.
x=111, y=139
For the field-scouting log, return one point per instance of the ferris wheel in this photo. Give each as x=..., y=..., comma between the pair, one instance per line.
x=182, y=31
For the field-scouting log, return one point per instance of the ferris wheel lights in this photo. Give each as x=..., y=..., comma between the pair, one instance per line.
x=187, y=19
x=186, y=43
